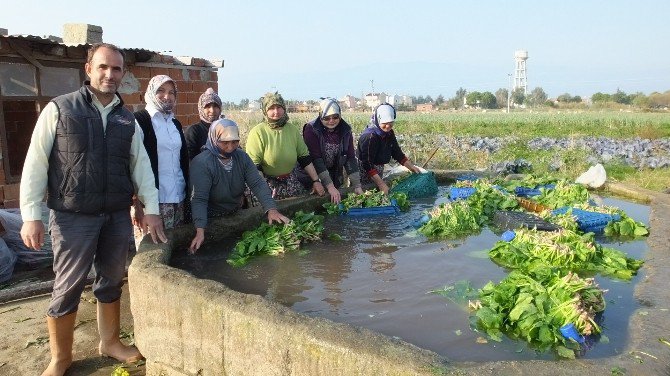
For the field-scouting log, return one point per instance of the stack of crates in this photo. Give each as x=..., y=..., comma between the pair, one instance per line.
x=512, y=220
x=417, y=185
x=589, y=221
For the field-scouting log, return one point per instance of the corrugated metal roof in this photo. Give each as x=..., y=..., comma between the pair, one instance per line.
x=53, y=40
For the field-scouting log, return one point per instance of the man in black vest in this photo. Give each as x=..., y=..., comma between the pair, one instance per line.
x=87, y=155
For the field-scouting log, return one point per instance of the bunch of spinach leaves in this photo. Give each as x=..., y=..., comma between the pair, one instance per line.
x=277, y=239
x=369, y=199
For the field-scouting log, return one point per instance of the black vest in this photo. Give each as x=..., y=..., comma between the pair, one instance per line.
x=89, y=168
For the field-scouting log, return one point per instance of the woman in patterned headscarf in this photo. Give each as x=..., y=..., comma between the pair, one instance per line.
x=209, y=109
x=166, y=147
x=331, y=146
x=218, y=178
x=278, y=150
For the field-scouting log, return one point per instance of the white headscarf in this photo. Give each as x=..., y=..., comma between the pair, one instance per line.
x=151, y=98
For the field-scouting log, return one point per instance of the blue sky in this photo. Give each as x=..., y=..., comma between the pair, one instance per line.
x=308, y=49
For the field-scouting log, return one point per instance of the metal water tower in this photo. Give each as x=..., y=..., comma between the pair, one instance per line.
x=520, y=78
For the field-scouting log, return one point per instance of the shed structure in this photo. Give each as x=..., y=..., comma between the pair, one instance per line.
x=34, y=70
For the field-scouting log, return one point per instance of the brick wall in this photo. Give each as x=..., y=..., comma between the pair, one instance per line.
x=191, y=83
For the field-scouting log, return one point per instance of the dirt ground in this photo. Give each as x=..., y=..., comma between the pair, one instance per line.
x=24, y=349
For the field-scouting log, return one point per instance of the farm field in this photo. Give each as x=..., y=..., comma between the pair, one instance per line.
x=633, y=147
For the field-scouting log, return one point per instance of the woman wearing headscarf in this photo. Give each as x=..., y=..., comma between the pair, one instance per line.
x=331, y=146
x=209, y=110
x=278, y=151
x=218, y=178
x=165, y=144
x=378, y=144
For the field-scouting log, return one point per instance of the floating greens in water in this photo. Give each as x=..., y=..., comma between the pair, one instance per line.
x=626, y=227
x=534, y=305
x=276, y=239
x=369, y=199
x=465, y=217
x=460, y=292
x=544, y=291
x=451, y=220
x=564, y=194
x=529, y=181
x=565, y=250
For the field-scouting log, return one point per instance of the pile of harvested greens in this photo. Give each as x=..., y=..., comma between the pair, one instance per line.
x=277, y=239
x=625, y=227
x=544, y=291
x=533, y=306
x=465, y=217
x=369, y=199
x=565, y=250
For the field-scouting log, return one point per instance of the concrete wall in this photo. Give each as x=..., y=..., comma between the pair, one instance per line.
x=188, y=326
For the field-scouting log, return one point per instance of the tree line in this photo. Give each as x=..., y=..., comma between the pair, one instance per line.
x=517, y=98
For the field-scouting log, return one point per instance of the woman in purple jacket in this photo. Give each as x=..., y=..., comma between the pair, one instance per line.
x=331, y=146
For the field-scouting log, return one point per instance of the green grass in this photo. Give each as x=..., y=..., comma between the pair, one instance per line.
x=519, y=127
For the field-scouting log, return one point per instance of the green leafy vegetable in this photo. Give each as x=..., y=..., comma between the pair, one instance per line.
x=564, y=194
x=533, y=305
x=626, y=227
x=369, y=199
x=566, y=250
x=451, y=220
x=277, y=239
x=465, y=217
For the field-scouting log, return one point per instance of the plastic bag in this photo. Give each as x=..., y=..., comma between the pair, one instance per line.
x=594, y=177
x=400, y=170
x=7, y=262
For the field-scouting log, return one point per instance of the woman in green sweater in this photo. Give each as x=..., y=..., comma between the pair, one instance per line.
x=218, y=178
x=278, y=150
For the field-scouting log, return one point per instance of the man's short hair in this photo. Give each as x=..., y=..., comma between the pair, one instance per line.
x=94, y=47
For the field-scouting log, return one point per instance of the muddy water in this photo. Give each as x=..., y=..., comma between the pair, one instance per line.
x=379, y=277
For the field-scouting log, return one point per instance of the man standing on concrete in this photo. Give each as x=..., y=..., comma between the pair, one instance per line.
x=86, y=153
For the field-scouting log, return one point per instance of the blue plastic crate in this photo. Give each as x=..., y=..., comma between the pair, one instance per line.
x=457, y=193
x=378, y=210
x=467, y=177
x=530, y=192
x=589, y=221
